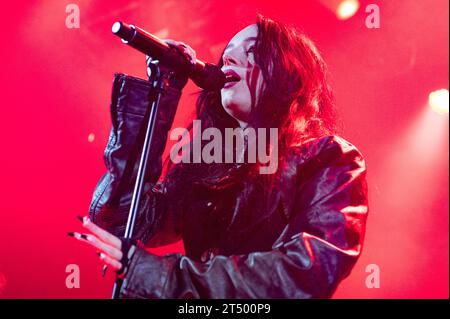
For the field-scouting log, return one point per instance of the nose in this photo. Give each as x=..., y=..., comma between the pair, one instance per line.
x=228, y=59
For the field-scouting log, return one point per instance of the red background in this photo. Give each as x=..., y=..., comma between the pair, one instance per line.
x=56, y=85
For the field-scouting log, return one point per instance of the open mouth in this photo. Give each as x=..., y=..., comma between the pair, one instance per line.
x=231, y=78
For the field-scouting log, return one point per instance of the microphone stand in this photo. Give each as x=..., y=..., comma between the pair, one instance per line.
x=159, y=85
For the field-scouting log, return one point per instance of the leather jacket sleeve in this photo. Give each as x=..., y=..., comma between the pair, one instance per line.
x=305, y=262
x=111, y=200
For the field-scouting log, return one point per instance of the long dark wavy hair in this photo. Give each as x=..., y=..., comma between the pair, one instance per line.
x=296, y=99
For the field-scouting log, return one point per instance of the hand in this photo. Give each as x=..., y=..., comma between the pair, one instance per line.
x=108, y=246
x=184, y=49
x=176, y=80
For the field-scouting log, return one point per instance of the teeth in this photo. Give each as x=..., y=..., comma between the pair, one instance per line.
x=232, y=78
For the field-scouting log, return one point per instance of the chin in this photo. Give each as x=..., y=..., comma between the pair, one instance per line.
x=230, y=103
x=234, y=106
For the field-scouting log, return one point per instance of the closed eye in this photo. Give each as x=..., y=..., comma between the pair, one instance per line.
x=251, y=49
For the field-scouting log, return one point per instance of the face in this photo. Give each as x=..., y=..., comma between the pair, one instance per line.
x=240, y=97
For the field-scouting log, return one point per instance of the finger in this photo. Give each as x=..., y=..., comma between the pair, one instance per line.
x=187, y=50
x=94, y=241
x=183, y=48
x=191, y=55
x=171, y=42
x=102, y=234
x=115, y=264
x=110, y=250
x=104, y=269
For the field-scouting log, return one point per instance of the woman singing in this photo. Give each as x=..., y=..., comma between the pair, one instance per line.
x=293, y=232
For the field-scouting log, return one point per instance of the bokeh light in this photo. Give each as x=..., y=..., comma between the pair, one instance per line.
x=439, y=101
x=347, y=9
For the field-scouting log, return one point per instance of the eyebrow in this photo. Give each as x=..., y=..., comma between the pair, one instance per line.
x=245, y=40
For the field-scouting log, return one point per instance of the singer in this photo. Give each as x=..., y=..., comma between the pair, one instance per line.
x=295, y=233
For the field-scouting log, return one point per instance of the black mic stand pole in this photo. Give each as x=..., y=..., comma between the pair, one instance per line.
x=159, y=85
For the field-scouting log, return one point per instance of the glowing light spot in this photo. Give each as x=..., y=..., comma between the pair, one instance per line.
x=163, y=33
x=91, y=137
x=347, y=9
x=438, y=101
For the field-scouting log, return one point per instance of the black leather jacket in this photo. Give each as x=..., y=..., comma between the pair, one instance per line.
x=302, y=246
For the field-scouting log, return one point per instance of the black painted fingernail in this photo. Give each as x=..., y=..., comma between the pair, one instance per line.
x=83, y=236
x=71, y=234
x=80, y=218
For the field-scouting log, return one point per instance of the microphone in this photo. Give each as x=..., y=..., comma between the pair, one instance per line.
x=206, y=75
